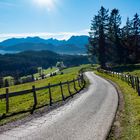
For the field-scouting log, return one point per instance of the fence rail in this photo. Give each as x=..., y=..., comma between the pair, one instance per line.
x=132, y=80
x=81, y=83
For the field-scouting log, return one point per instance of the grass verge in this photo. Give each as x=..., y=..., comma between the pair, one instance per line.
x=129, y=118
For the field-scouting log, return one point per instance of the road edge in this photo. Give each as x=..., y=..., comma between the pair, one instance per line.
x=115, y=130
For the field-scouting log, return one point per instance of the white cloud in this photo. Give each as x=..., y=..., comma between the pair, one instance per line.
x=45, y=35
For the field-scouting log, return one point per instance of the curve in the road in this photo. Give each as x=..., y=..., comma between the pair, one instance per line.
x=87, y=117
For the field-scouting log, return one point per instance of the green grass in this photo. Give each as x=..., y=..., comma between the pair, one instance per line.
x=130, y=117
x=25, y=102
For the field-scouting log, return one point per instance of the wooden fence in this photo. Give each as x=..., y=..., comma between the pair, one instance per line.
x=81, y=83
x=132, y=80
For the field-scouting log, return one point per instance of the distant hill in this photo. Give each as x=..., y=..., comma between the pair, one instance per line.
x=63, y=49
x=26, y=63
x=76, y=44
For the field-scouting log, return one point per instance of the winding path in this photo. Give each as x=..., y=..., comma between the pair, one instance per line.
x=86, y=117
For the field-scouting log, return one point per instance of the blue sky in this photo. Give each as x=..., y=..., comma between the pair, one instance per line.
x=55, y=18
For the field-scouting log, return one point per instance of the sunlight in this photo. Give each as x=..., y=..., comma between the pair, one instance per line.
x=49, y=4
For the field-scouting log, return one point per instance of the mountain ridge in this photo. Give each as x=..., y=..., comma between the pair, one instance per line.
x=75, y=44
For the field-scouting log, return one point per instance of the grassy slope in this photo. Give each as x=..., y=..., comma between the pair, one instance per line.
x=25, y=102
x=131, y=69
x=130, y=117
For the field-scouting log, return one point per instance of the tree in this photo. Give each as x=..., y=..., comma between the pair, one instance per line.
x=1, y=82
x=116, y=47
x=98, y=35
x=60, y=65
x=112, y=44
x=136, y=33
x=126, y=40
x=131, y=38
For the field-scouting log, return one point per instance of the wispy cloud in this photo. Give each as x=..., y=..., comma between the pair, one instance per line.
x=45, y=35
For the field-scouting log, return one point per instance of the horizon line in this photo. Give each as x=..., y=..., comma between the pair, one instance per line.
x=44, y=35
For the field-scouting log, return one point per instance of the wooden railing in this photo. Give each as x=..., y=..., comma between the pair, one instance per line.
x=132, y=80
x=77, y=87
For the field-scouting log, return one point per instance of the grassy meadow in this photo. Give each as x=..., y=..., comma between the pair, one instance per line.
x=25, y=102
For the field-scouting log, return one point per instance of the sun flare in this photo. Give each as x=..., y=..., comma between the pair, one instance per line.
x=49, y=4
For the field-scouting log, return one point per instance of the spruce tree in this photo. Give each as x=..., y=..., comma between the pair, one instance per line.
x=136, y=36
x=115, y=46
x=126, y=40
x=98, y=35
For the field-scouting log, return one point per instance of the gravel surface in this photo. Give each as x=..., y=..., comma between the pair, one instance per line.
x=88, y=117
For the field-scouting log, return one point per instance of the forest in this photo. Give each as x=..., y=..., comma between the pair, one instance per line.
x=26, y=63
x=112, y=43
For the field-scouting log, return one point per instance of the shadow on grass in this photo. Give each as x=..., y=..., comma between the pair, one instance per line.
x=34, y=108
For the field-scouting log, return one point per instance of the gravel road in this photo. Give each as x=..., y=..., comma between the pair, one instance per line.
x=87, y=117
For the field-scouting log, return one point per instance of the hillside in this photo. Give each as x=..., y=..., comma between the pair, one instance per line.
x=25, y=63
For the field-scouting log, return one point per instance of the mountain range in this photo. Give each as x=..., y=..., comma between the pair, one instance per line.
x=74, y=45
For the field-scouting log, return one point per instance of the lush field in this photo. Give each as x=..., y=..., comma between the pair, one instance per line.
x=25, y=102
x=129, y=118
x=131, y=69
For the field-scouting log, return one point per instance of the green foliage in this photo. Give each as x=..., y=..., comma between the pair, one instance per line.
x=112, y=44
x=98, y=35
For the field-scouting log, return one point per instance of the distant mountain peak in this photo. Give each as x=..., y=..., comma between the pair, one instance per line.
x=73, y=44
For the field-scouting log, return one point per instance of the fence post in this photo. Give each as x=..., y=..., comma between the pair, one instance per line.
x=74, y=85
x=129, y=79
x=137, y=84
x=69, y=89
x=79, y=82
x=50, y=94
x=138, y=87
x=35, y=98
x=7, y=100
x=63, y=98
x=83, y=80
x=132, y=81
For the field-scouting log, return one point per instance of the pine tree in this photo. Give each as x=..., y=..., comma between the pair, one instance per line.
x=136, y=36
x=114, y=37
x=126, y=40
x=98, y=36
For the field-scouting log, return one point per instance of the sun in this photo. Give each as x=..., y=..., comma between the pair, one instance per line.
x=49, y=4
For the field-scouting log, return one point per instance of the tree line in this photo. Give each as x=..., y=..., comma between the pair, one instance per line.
x=110, y=42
